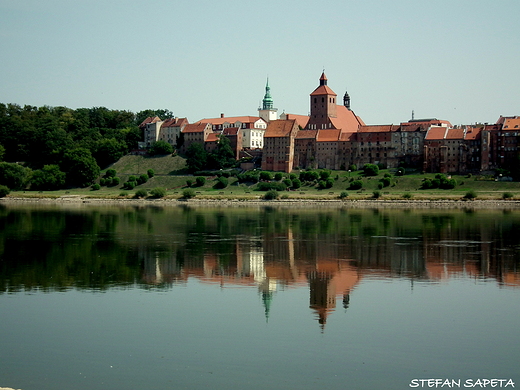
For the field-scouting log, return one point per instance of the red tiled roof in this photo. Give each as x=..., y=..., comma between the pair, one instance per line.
x=212, y=137
x=328, y=135
x=378, y=128
x=175, y=122
x=231, y=131
x=323, y=90
x=455, y=134
x=301, y=120
x=472, y=133
x=230, y=119
x=150, y=119
x=195, y=128
x=436, y=132
x=346, y=120
x=306, y=134
x=511, y=124
x=279, y=128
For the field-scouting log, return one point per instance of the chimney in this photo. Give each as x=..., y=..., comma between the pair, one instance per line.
x=222, y=115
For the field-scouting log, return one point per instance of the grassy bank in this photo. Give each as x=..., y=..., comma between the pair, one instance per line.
x=170, y=174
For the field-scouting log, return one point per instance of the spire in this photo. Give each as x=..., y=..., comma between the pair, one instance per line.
x=346, y=100
x=267, y=102
x=323, y=79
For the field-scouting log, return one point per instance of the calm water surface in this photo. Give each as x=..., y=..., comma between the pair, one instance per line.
x=256, y=298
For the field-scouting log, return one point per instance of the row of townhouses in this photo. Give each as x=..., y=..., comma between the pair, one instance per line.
x=332, y=136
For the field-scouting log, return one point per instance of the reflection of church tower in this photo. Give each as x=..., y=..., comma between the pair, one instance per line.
x=267, y=112
x=322, y=294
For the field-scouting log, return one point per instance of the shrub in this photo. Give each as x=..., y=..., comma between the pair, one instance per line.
x=288, y=183
x=129, y=185
x=110, y=173
x=376, y=194
x=343, y=195
x=296, y=183
x=370, y=170
x=200, y=181
x=324, y=175
x=189, y=182
x=400, y=171
x=141, y=193
x=160, y=148
x=4, y=191
x=278, y=176
x=352, y=167
x=293, y=176
x=115, y=181
x=142, y=179
x=103, y=181
x=222, y=182
x=150, y=173
x=507, y=195
x=158, y=192
x=380, y=186
x=271, y=194
x=385, y=181
x=264, y=175
x=96, y=187
x=470, y=195
x=356, y=185
x=263, y=186
x=407, y=195
x=188, y=193
x=123, y=194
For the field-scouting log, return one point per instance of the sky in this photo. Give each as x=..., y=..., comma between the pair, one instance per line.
x=457, y=60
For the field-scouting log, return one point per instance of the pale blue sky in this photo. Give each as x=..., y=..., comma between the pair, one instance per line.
x=457, y=60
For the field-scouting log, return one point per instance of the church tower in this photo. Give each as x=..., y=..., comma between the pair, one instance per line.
x=346, y=100
x=323, y=104
x=267, y=112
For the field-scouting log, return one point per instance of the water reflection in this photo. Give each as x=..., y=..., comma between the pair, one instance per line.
x=330, y=251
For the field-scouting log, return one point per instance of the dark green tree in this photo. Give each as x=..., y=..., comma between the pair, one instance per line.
x=196, y=157
x=81, y=168
x=160, y=148
x=49, y=178
x=14, y=175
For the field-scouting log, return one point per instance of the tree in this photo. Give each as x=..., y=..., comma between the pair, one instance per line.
x=81, y=168
x=14, y=175
x=196, y=157
x=108, y=151
x=160, y=148
x=49, y=178
x=370, y=170
x=4, y=191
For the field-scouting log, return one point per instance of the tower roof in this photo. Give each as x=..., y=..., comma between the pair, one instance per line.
x=267, y=102
x=323, y=89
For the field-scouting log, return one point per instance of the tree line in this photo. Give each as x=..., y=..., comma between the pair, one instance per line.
x=57, y=147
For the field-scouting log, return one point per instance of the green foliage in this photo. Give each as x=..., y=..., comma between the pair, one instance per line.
x=288, y=183
x=110, y=173
x=352, y=167
x=142, y=179
x=440, y=181
x=150, y=173
x=385, y=181
x=265, y=175
x=470, y=195
x=108, y=150
x=4, y=191
x=14, y=176
x=129, y=185
x=222, y=182
x=48, y=178
x=370, y=170
x=343, y=195
x=158, y=192
x=278, y=176
x=2, y=152
x=356, y=185
x=271, y=195
x=160, y=148
x=400, y=171
x=141, y=193
x=407, y=195
x=224, y=157
x=200, y=181
x=309, y=176
x=189, y=183
x=324, y=174
x=376, y=194
x=296, y=183
x=115, y=181
x=123, y=194
x=80, y=167
x=188, y=193
x=96, y=187
x=507, y=195
x=248, y=177
x=196, y=157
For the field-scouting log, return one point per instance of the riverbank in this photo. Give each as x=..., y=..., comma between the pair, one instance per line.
x=300, y=203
